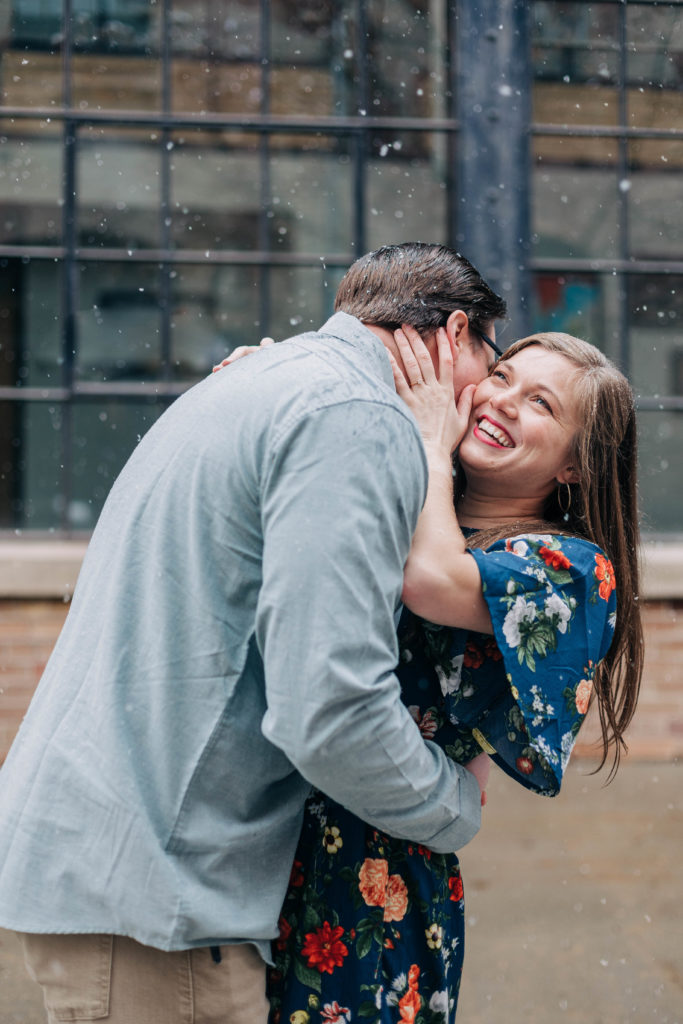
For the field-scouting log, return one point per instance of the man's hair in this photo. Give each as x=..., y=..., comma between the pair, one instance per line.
x=417, y=283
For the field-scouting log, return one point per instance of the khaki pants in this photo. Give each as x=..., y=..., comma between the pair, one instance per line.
x=117, y=980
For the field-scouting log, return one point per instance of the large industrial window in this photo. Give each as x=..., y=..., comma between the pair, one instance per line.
x=181, y=176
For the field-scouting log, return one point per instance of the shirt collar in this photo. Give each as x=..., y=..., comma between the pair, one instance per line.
x=348, y=328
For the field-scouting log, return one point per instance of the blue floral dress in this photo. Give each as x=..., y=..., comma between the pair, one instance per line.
x=372, y=928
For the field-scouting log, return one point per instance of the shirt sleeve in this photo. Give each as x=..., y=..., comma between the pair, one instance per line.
x=552, y=603
x=340, y=500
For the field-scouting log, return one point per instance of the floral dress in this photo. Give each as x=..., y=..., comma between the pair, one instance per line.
x=372, y=928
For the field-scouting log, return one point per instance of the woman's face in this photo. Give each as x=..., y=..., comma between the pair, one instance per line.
x=524, y=418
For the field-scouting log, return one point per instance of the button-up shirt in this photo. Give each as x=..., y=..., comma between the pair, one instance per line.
x=230, y=643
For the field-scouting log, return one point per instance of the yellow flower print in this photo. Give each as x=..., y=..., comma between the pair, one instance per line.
x=434, y=936
x=483, y=742
x=332, y=840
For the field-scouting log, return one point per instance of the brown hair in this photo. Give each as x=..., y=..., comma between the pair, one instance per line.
x=603, y=509
x=417, y=283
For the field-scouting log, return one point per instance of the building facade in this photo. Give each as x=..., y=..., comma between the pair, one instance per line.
x=178, y=177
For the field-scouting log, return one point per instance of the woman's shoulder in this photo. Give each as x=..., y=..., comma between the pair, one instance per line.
x=554, y=550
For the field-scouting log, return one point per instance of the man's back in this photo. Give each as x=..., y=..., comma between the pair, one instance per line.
x=152, y=790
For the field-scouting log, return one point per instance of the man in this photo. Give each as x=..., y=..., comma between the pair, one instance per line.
x=231, y=642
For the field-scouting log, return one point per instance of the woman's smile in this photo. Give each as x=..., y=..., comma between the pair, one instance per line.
x=492, y=433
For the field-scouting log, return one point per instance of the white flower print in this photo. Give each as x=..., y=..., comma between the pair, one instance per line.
x=450, y=680
x=554, y=605
x=521, y=611
x=439, y=1002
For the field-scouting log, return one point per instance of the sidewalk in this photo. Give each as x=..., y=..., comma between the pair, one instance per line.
x=574, y=906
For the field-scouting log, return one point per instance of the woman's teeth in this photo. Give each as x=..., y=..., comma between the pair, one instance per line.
x=498, y=435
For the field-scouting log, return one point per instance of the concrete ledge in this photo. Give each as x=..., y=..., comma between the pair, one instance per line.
x=40, y=568
x=49, y=568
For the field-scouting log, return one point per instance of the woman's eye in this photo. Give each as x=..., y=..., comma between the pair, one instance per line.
x=498, y=374
x=542, y=401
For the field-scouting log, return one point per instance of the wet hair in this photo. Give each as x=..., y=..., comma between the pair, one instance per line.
x=417, y=283
x=604, y=510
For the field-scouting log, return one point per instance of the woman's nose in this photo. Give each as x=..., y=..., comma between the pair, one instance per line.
x=505, y=401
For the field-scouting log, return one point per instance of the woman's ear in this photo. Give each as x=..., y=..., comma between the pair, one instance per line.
x=568, y=476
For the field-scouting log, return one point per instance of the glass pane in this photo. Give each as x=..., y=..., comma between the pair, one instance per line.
x=30, y=188
x=118, y=323
x=104, y=434
x=574, y=212
x=575, y=42
x=567, y=150
x=311, y=185
x=216, y=28
x=584, y=305
x=406, y=59
x=11, y=462
x=656, y=199
x=654, y=39
x=406, y=188
x=119, y=191
x=661, y=471
x=301, y=299
x=213, y=310
x=120, y=81
x=33, y=451
x=655, y=314
x=30, y=314
x=215, y=192
x=216, y=48
x=30, y=58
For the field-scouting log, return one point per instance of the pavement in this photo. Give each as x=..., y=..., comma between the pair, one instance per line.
x=574, y=906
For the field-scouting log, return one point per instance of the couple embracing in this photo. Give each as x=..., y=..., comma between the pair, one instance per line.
x=297, y=643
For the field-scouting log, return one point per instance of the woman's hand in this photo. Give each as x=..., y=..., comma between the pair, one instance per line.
x=480, y=766
x=243, y=350
x=429, y=395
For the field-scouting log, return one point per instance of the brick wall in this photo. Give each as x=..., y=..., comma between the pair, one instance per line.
x=28, y=630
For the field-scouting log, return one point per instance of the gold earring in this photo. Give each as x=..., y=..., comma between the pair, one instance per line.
x=565, y=511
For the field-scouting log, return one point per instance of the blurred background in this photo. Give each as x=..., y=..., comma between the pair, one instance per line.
x=178, y=177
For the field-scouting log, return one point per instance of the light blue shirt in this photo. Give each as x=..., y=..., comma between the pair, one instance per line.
x=231, y=641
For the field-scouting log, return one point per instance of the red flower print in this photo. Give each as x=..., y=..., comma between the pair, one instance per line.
x=410, y=1003
x=428, y=725
x=604, y=572
x=555, y=559
x=285, y=931
x=324, y=949
x=474, y=656
x=396, y=899
x=296, y=878
x=455, y=885
x=492, y=650
x=524, y=765
x=583, y=695
x=425, y=852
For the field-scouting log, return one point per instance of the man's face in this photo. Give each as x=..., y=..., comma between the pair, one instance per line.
x=473, y=359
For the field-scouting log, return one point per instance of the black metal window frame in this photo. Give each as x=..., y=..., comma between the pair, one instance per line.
x=484, y=150
x=624, y=265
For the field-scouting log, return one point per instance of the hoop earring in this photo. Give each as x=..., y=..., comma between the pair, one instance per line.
x=565, y=511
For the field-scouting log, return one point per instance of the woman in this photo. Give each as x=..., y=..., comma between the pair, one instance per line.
x=512, y=630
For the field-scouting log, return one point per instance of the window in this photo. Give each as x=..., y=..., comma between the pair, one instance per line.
x=180, y=178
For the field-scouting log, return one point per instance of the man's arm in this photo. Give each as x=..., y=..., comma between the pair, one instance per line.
x=340, y=500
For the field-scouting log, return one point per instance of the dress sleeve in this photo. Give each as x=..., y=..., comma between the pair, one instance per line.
x=552, y=603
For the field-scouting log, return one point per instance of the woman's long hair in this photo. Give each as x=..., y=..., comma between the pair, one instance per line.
x=603, y=508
